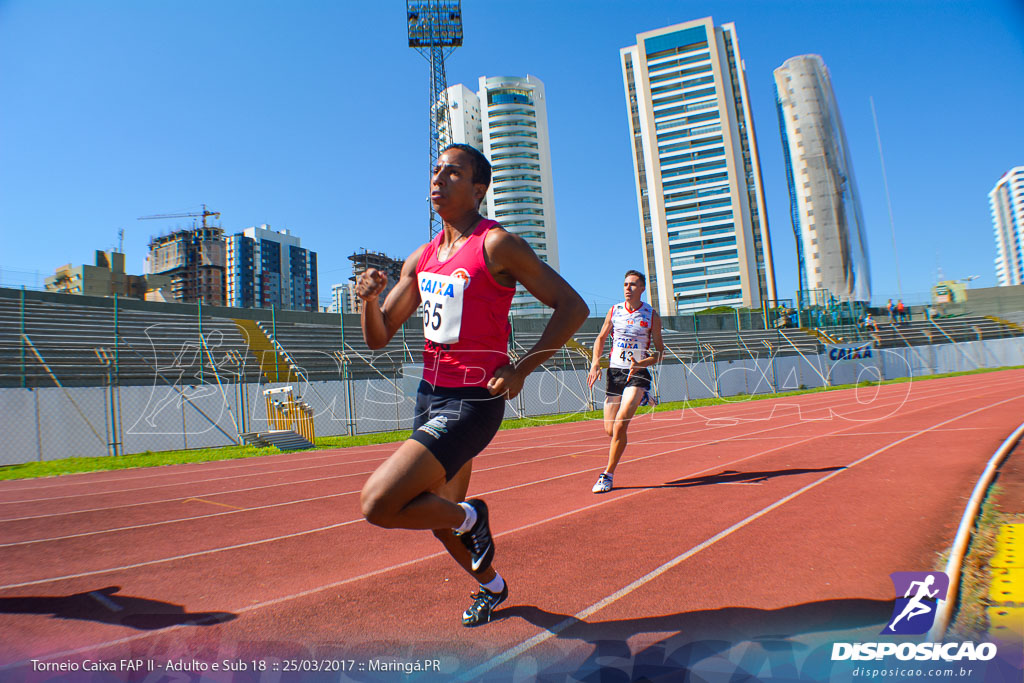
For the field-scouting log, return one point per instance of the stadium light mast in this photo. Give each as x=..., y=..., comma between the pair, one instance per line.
x=435, y=30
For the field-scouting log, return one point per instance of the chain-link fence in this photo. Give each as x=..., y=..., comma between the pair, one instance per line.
x=114, y=377
x=47, y=423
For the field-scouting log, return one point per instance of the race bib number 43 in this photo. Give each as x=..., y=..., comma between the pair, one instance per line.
x=441, y=307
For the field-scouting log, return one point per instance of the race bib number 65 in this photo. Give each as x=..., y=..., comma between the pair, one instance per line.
x=441, y=307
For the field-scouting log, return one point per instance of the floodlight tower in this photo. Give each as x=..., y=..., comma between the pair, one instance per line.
x=435, y=30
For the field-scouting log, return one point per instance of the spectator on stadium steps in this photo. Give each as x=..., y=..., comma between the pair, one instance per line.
x=892, y=311
x=462, y=282
x=901, y=312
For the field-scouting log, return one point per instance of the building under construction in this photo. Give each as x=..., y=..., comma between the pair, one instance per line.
x=372, y=259
x=194, y=260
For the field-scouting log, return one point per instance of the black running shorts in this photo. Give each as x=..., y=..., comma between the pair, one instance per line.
x=617, y=380
x=455, y=424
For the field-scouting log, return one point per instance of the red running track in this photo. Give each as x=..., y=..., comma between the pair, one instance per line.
x=744, y=530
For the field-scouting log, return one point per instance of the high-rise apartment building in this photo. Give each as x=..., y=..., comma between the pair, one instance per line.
x=342, y=295
x=1007, y=203
x=827, y=218
x=193, y=260
x=268, y=268
x=702, y=213
x=507, y=120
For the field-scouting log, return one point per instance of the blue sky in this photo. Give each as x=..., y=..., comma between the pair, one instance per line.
x=311, y=116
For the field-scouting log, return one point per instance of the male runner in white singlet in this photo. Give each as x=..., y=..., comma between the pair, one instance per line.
x=633, y=325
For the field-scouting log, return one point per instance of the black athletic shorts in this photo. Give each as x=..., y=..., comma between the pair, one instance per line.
x=617, y=380
x=456, y=424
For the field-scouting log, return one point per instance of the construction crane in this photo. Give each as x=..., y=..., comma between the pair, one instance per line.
x=191, y=214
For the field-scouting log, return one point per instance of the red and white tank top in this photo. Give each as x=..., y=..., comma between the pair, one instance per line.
x=631, y=334
x=465, y=314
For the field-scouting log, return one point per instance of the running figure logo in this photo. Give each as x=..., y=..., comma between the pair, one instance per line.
x=914, y=612
x=435, y=426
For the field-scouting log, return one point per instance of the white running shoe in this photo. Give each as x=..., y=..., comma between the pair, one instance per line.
x=604, y=483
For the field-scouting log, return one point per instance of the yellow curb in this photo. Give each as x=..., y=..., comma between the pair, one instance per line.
x=1007, y=585
x=1009, y=547
x=1006, y=624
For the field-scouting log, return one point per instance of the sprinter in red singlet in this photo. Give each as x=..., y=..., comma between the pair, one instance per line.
x=462, y=282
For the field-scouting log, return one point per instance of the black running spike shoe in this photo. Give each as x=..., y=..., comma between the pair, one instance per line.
x=483, y=606
x=478, y=539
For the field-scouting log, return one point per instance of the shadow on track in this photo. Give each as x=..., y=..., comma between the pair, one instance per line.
x=734, y=477
x=763, y=636
x=105, y=607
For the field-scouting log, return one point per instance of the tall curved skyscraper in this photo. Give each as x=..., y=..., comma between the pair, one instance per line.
x=825, y=205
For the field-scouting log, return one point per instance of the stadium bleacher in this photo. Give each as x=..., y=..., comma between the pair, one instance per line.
x=963, y=328
x=77, y=344
x=73, y=338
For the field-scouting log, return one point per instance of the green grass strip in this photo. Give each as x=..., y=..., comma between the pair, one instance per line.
x=150, y=459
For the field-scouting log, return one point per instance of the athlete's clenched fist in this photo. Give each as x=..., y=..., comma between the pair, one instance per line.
x=370, y=284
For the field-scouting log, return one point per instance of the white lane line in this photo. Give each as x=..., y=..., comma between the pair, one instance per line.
x=312, y=591
x=497, y=449
x=666, y=426
x=549, y=633
x=209, y=494
x=511, y=438
x=531, y=483
x=160, y=472
x=522, y=646
x=111, y=492
x=150, y=563
x=175, y=521
x=746, y=436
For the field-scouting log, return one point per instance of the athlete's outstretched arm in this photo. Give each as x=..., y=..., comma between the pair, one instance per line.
x=595, y=358
x=511, y=258
x=380, y=323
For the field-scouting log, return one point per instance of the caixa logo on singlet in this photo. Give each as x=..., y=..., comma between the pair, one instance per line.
x=918, y=595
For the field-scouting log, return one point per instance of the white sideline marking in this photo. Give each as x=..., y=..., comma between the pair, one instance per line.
x=608, y=600
x=716, y=466
x=647, y=578
x=492, y=453
x=507, y=445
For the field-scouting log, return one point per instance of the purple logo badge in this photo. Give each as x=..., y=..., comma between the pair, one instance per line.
x=917, y=597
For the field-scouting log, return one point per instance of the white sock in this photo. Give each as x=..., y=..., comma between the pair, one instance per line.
x=470, y=520
x=495, y=585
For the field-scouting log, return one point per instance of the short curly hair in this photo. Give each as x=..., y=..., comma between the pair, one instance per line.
x=481, y=166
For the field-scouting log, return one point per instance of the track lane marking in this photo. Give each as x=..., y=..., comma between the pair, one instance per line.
x=536, y=639
x=211, y=502
x=509, y=488
x=551, y=632
x=601, y=447
x=723, y=421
